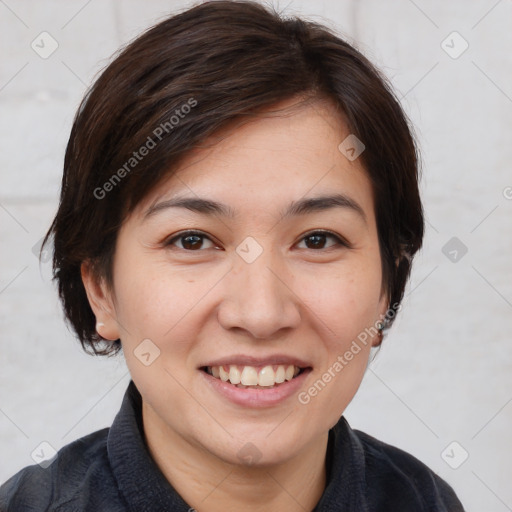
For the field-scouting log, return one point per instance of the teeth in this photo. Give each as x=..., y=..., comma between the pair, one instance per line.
x=224, y=375
x=249, y=376
x=244, y=376
x=234, y=375
x=280, y=374
x=266, y=376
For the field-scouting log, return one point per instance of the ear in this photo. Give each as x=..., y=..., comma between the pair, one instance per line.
x=383, y=309
x=100, y=300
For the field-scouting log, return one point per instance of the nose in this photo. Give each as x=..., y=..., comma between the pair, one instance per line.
x=258, y=298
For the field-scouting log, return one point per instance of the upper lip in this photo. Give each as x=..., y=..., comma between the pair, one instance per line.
x=246, y=360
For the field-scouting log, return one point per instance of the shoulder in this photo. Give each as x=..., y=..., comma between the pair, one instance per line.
x=78, y=468
x=399, y=479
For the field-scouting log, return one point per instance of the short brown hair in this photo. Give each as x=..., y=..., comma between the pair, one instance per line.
x=184, y=79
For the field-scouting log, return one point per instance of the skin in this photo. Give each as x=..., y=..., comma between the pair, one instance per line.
x=297, y=298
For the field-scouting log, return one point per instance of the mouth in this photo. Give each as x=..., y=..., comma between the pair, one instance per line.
x=255, y=377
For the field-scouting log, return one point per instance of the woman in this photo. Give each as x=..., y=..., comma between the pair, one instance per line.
x=239, y=212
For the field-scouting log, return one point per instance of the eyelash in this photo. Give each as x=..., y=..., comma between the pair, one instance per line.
x=340, y=242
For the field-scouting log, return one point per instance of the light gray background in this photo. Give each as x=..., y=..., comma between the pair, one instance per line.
x=444, y=372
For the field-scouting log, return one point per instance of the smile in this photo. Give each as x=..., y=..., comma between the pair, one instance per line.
x=269, y=376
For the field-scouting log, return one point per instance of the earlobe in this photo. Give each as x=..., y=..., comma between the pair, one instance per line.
x=377, y=339
x=100, y=300
x=380, y=325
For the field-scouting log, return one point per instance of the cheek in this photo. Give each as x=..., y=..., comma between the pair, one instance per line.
x=156, y=308
x=166, y=305
x=151, y=305
x=347, y=304
x=346, y=300
x=147, y=294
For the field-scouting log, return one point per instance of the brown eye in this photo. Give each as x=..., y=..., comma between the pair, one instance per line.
x=320, y=240
x=190, y=241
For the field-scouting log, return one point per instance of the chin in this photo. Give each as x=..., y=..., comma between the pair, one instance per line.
x=258, y=448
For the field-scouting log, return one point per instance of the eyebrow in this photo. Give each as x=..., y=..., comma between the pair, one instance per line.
x=300, y=207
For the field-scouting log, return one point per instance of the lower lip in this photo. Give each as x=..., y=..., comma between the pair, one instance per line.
x=252, y=397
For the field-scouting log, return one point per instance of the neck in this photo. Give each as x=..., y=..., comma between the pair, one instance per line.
x=207, y=482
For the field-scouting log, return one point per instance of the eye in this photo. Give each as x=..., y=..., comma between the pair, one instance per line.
x=190, y=241
x=197, y=240
x=319, y=240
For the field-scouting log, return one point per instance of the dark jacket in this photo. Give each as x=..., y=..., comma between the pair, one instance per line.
x=111, y=471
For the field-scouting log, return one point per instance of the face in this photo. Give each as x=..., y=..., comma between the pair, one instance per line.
x=257, y=262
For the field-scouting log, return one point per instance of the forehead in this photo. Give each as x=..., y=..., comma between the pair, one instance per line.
x=273, y=158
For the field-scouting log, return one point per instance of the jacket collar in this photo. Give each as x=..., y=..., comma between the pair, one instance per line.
x=140, y=481
x=145, y=489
